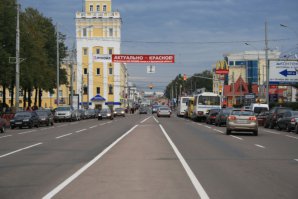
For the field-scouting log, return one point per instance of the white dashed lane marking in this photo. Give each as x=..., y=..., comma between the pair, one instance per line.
x=64, y=135
x=260, y=146
x=236, y=137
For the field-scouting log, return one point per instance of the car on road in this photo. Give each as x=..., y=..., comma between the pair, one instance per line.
x=221, y=117
x=164, y=111
x=2, y=125
x=242, y=120
x=274, y=114
x=261, y=117
x=288, y=121
x=155, y=108
x=119, y=112
x=105, y=113
x=45, y=117
x=210, y=119
x=143, y=110
x=64, y=113
x=24, y=119
x=91, y=113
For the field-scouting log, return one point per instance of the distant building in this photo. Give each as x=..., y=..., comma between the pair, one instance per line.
x=98, y=33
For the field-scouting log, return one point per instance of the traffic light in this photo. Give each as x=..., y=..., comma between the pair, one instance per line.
x=184, y=77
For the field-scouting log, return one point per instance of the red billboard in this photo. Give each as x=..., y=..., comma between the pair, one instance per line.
x=143, y=58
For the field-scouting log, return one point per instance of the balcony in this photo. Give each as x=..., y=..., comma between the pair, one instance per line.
x=97, y=15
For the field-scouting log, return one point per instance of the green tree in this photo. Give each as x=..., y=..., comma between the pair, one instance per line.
x=7, y=43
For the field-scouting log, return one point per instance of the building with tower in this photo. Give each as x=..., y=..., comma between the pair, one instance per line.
x=100, y=82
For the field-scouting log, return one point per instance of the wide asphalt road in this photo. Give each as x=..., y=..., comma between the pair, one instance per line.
x=142, y=156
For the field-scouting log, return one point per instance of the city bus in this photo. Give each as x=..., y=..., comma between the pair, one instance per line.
x=203, y=103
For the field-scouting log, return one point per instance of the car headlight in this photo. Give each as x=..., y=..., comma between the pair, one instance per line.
x=122, y=112
x=99, y=115
x=108, y=114
x=26, y=120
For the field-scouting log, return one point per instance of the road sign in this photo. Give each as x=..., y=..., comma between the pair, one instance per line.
x=283, y=71
x=150, y=69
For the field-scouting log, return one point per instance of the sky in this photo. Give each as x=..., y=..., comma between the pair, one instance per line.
x=198, y=32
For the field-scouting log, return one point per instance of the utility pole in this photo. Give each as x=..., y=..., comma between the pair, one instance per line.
x=266, y=64
x=17, y=58
x=233, y=89
x=58, y=63
x=88, y=90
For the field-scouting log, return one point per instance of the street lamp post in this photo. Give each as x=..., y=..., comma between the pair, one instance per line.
x=266, y=64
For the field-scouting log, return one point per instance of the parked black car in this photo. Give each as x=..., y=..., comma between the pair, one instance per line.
x=210, y=119
x=24, y=119
x=274, y=114
x=261, y=117
x=91, y=113
x=221, y=117
x=45, y=117
x=288, y=121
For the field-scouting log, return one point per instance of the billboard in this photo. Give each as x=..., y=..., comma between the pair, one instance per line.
x=283, y=72
x=222, y=68
x=118, y=58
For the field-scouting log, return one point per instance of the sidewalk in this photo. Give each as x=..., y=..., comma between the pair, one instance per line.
x=142, y=165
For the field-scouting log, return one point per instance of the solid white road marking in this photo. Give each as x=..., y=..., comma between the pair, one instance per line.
x=296, y=160
x=145, y=120
x=26, y=132
x=81, y=130
x=28, y=147
x=84, y=168
x=63, y=136
x=103, y=124
x=260, y=146
x=207, y=126
x=272, y=132
x=236, y=137
x=5, y=136
x=156, y=120
x=200, y=190
x=292, y=137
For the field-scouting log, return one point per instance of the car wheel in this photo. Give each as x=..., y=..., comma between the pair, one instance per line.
x=256, y=133
x=2, y=130
x=228, y=131
x=288, y=129
x=12, y=127
x=271, y=125
x=219, y=124
x=266, y=125
x=296, y=129
x=278, y=127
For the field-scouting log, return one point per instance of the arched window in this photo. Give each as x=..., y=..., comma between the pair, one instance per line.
x=110, y=89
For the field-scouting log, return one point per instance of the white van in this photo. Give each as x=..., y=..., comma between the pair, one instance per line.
x=258, y=108
x=182, y=106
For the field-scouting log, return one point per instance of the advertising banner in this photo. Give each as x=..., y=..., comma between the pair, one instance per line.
x=143, y=58
x=283, y=71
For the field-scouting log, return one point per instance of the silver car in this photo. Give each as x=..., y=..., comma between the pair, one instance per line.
x=242, y=120
x=164, y=111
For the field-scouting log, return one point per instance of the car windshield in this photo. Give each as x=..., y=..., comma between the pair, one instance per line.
x=41, y=113
x=260, y=109
x=164, y=108
x=105, y=111
x=119, y=109
x=23, y=114
x=209, y=100
x=242, y=113
x=63, y=109
x=294, y=113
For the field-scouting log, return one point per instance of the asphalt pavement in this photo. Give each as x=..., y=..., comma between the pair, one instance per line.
x=142, y=156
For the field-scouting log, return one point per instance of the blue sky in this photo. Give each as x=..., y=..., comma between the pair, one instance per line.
x=198, y=32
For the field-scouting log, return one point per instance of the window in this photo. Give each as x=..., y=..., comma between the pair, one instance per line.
x=98, y=51
x=231, y=63
x=91, y=8
x=85, y=51
x=1, y=93
x=98, y=90
x=104, y=8
x=84, y=32
x=98, y=71
x=111, y=71
x=111, y=32
x=85, y=71
x=85, y=90
x=110, y=89
x=110, y=51
x=60, y=93
x=97, y=8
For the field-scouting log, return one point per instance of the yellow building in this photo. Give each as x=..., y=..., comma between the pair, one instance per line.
x=98, y=33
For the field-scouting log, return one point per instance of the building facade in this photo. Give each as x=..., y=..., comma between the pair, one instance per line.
x=98, y=33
